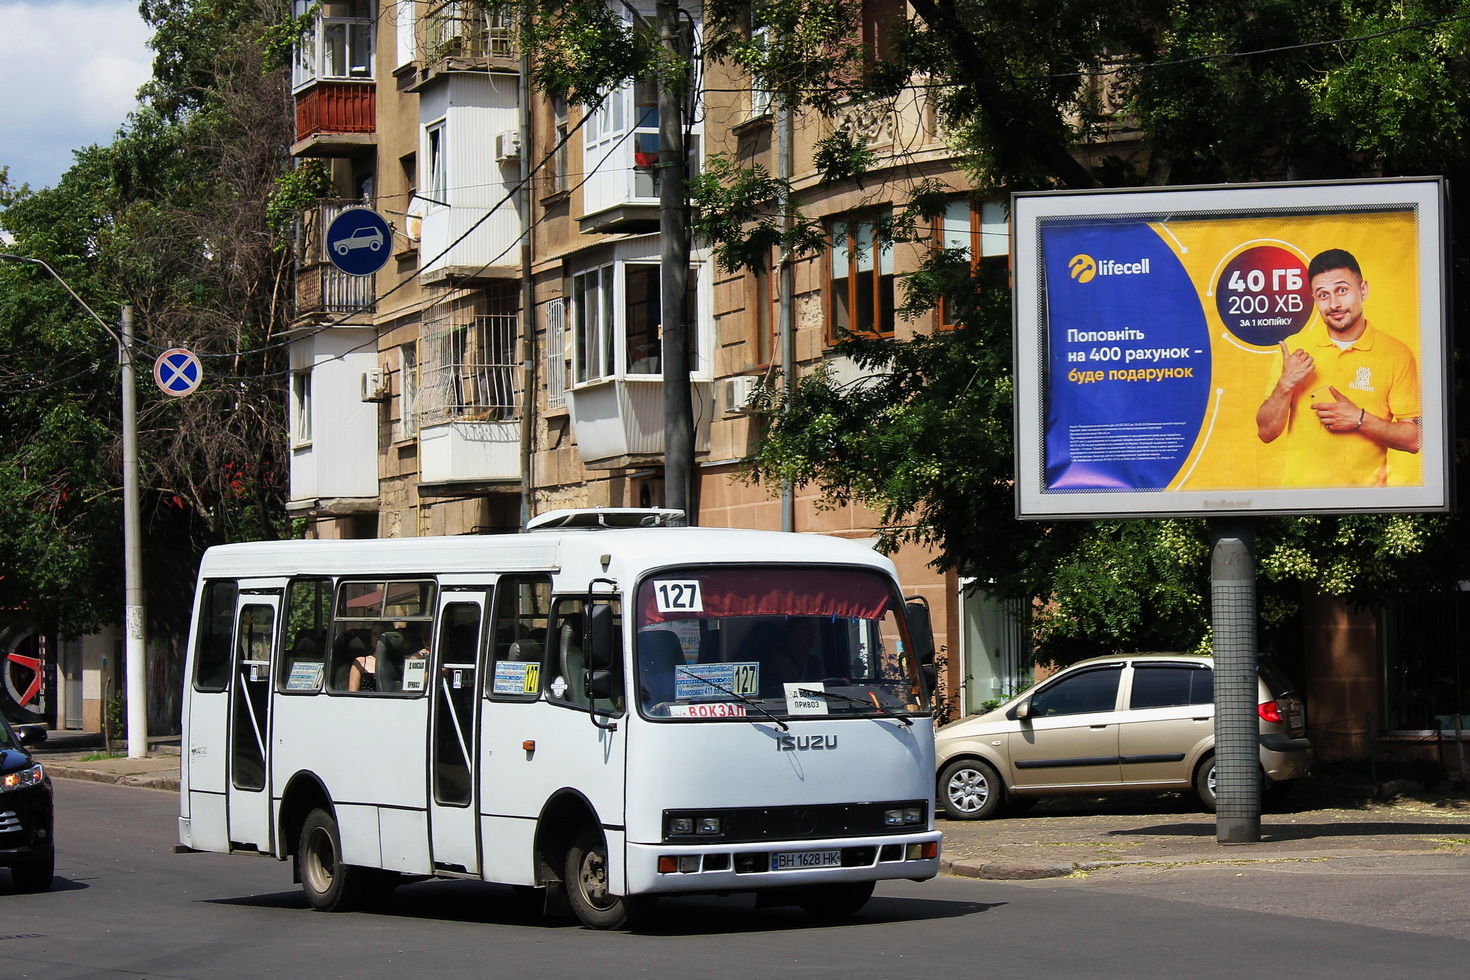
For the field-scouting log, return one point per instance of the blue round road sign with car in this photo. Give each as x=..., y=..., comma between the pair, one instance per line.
x=177, y=372
x=359, y=241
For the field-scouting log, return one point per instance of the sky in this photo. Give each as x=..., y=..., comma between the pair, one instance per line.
x=70, y=71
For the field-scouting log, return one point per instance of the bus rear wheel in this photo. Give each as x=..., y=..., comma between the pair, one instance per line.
x=587, y=887
x=330, y=884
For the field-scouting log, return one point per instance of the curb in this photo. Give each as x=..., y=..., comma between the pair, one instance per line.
x=169, y=783
x=1007, y=872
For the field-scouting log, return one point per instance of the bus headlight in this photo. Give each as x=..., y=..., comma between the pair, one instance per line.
x=905, y=816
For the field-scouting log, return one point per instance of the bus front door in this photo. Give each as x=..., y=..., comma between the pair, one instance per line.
x=454, y=725
x=248, y=798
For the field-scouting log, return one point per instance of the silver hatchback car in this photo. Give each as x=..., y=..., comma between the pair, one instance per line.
x=1133, y=723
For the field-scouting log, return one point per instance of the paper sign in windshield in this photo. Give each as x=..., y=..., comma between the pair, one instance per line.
x=803, y=704
x=716, y=709
x=678, y=597
x=516, y=678
x=706, y=681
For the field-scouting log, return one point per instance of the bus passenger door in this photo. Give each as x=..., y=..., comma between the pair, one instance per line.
x=454, y=726
x=248, y=798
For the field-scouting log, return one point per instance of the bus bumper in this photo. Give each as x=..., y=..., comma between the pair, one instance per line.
x=668, y=868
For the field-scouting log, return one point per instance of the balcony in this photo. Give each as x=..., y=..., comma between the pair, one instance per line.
x=463, y=36
x=323, y=290
x=336, y=118
x=469, y=402
x=620, y=421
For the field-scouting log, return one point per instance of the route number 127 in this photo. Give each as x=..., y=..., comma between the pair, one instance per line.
x=679, y=597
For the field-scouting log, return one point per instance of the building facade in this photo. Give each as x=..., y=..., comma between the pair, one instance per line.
x=505, y=361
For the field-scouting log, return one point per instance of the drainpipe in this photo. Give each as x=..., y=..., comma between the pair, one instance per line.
x=786, y=312
x=528, y=301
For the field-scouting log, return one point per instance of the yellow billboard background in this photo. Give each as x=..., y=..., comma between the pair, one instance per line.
x=1228, y=454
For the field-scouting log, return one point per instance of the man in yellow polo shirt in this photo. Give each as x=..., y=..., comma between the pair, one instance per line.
x=1347, y=394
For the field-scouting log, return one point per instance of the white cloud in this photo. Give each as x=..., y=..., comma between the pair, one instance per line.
x=71, y=70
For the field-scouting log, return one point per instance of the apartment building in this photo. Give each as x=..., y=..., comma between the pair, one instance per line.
x=505, y=360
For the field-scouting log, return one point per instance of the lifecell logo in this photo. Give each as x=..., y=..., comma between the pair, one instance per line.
x=1084, y=268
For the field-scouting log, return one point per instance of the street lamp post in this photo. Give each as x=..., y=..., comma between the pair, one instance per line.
x=134, y=613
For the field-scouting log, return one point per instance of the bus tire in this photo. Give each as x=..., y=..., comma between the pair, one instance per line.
x=330, y=884
x=587, y=887
x=835, y=901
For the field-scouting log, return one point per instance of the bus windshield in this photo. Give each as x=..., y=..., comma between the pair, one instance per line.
x=773, y=641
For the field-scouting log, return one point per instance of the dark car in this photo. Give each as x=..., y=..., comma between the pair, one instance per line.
x=26, y=844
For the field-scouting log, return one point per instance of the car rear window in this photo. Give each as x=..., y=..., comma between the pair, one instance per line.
x=1169, y=685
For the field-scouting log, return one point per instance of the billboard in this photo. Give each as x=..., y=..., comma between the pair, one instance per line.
x=1261, y=348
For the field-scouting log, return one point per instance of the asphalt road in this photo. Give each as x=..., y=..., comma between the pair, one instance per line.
x=126, y=906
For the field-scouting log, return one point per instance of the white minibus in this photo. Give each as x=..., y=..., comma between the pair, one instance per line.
x=597, y=711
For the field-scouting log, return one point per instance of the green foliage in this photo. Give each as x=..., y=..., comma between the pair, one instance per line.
x=298, y=190
x=169, y=219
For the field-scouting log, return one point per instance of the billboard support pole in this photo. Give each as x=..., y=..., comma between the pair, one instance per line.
x=1237, y=730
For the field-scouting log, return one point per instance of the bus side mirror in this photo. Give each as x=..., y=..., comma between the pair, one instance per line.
x=599, y=685
x=601, y=638
x=921, y=630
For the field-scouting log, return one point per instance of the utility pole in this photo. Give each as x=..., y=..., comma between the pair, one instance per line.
x=673, y=202
x=135, y=643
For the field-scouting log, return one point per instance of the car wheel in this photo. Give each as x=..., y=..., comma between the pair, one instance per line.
x=587, y=887
x=35, y=875
x=330, y=884
x=970, y=789
x=1204, y=784
x=835, y=901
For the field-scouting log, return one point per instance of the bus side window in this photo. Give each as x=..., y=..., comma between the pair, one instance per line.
x=518, y=632
x=216, y=636
x=567, y=663
x=308, y=612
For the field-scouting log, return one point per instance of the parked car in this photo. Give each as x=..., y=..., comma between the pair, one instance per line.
x=1136, y=723
x=26, y=844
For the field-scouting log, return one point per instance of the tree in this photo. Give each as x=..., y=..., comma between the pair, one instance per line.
x=171, y=218
x=1040, y=95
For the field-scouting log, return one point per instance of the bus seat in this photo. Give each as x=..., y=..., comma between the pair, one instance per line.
x=573, y=663
x=659, y=653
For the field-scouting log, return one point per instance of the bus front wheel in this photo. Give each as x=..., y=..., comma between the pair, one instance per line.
x=330, y=884
x=587, y=887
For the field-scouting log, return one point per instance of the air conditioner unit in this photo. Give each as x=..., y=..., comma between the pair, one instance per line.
x=739, y=394
x=507, y=146
x=375, y=385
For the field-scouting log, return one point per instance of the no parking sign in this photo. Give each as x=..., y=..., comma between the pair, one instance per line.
x=177, y=372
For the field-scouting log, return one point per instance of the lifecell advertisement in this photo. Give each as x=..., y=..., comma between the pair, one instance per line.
x=1265, y=349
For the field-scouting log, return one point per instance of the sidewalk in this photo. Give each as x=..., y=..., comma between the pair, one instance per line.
x=80, y=755
x=1334, y=825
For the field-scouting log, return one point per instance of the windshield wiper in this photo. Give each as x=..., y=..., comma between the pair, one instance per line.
x=834, y=696
x=738, y=697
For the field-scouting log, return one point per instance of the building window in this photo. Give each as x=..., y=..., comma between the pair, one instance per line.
x=760, y=95
x=983, y=234
x=761, y=318
x=592, y=324
x=627, y=117
x=860, y=288
x=556, y=354
x=469, y=371
x=408, y=387
x=436, y=153
x=300, y=408
x=341, y=46
x=603, y=341
x=561, y=167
